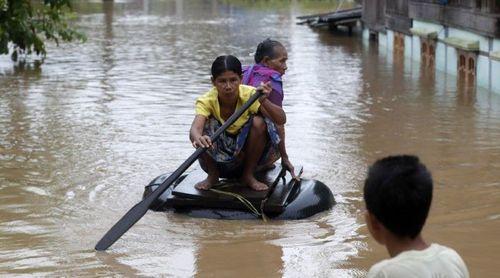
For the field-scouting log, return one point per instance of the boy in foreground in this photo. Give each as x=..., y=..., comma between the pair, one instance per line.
x=398, y=195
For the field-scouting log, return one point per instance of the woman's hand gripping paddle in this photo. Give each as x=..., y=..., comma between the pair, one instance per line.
x=138, y=211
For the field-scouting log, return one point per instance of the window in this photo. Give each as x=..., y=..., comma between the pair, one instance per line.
x=399, y=42
x=428, y=55
x=467, y=67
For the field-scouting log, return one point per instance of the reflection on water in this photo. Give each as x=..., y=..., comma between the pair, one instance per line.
x=81, y=136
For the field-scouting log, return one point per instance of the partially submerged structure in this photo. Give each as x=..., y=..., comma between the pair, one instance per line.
x=346, y=18
x=460, y=37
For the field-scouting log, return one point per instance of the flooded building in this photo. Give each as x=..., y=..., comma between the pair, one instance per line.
x=460, y=37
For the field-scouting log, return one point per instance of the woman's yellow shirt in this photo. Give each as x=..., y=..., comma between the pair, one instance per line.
x=207, y=105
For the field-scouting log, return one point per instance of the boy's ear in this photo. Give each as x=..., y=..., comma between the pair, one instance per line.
x=374, y=226
x=212, y=79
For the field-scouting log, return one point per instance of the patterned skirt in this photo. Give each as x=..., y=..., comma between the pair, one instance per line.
x=227, y=148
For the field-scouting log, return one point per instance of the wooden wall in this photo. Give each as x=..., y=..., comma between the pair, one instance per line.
x=397, y=18
x=374, y=14
x=478, y=16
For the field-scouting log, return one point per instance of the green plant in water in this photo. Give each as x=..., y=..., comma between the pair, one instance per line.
x=28, y=24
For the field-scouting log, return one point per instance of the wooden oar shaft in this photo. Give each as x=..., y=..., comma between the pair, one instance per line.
x=138, y=211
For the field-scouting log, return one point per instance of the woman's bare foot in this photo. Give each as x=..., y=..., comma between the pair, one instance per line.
x=254, y=184
x=207, y=183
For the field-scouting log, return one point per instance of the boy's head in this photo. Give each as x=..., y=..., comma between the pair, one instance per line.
x=398, y=195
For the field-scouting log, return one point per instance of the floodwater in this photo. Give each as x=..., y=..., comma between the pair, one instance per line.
x=81, y=135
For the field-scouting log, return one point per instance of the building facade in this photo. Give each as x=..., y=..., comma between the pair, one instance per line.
x=460, y=37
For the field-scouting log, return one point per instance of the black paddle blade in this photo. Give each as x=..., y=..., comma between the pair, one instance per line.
x=122, y=226
x=138, y=211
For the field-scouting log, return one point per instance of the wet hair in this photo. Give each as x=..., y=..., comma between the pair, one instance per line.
x=266, y=48
x=226, y=63
x=398, y=192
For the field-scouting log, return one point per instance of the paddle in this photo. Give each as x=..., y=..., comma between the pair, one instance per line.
x=138, y=211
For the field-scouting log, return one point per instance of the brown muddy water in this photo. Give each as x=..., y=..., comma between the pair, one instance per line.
x=82, y=135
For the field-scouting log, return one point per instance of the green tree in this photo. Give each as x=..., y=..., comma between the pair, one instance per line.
x=28, y=23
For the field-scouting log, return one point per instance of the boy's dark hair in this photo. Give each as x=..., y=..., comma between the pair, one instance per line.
x=398, y=192
x=226, y=63
x=266, y=48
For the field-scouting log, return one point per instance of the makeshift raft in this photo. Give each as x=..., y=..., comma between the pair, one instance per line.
x=286, y=198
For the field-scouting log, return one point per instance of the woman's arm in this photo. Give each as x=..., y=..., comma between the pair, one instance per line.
x=196, y=133
x=269, y=109
x=272, y=111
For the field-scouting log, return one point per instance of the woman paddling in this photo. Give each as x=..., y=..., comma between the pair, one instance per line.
x=247, y=142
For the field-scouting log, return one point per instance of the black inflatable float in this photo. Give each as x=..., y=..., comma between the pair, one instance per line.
x=286, y=199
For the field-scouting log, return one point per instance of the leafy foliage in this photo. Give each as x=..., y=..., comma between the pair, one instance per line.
x=26, y=23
